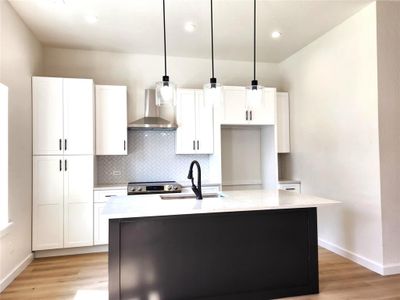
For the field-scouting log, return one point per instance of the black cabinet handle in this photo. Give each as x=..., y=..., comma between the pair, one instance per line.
x=65, y=144
x=198, y=145
x=251, y=115
x=194, y=145
x=247, y=115
x=59, y=144
x=108, y=196
x=290, y=189
x=124, y=145
x=60, y=165
x=65, y=165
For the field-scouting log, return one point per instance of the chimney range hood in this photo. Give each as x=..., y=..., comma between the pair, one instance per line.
x=151, y=119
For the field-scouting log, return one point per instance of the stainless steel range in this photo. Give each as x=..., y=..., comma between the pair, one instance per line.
x=158, y=187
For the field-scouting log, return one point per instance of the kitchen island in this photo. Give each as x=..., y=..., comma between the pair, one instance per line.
x=245, y=245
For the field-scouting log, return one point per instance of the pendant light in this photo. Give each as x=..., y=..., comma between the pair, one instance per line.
x=254, y=91
x=165, y=89
x=212, y=90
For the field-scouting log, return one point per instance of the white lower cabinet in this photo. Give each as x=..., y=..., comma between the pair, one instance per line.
x=100, y=222
x=62, y=202
x=48, y=189
x=78, y=201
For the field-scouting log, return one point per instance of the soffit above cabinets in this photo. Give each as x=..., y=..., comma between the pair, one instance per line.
x=135, y=26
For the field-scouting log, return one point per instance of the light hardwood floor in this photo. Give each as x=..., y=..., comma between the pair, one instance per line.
x=84, y=277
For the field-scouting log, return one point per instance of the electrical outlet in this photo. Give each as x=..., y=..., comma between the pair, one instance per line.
x=116, y=173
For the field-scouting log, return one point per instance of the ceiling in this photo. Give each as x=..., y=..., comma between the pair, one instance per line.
x=135, y=26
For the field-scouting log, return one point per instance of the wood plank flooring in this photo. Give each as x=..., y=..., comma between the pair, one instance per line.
x=84, y=277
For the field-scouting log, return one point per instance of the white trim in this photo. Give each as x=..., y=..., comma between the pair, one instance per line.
x=71, y=251
x=391, y=269
x=5, y=229
x=15, y=272
x=359, y=259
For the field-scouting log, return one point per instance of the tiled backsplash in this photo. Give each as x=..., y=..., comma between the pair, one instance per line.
x=151, y=157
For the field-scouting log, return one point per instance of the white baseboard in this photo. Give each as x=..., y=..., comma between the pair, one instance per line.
x=391, y=269
x=71, y=251
x=15, y=272
x=359, y=259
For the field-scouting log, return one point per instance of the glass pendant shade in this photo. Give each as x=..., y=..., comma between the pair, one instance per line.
x=254, y=94
x=213, y=93
x=165, y=92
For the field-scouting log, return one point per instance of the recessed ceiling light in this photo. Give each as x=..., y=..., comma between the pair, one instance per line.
x=276, y=34
x=190, y=26
x=91, y=19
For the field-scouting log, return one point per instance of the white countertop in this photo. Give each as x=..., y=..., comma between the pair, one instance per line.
x=249, y=200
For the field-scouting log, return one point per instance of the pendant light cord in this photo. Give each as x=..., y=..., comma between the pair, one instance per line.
x=165, y=40
x=212, y=40
x=254, y=54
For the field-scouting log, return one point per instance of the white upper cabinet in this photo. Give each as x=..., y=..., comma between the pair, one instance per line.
x=235, y=110
x=186, y=121
x=283, y=128
x=48, y=133
x=204, y=125
x=238, y=112
x=111, y=120
x=78, y=116
x=62, y=116
x=195, y=121
x=263, y=113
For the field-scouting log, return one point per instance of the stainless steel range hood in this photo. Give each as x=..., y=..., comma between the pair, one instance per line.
x=152, y=119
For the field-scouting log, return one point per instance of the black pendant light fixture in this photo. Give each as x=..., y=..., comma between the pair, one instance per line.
x=212, y=90
x=165, y=89
x=254, y=91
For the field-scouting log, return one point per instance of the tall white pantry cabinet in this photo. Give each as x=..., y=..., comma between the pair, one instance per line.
x=63, y=149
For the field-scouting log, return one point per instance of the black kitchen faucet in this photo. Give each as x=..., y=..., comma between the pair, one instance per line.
x=196, y=189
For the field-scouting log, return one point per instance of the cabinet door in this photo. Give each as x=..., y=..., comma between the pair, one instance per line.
x=47, y=102
x=111, y=120
x=100, y=225
x=101, y=221
x=78, y=201
x=186, y=120
x=282, y=122
x=263, y=113
x=204, y=125
x=78, y=116
x=235, y=105
x=47, y=206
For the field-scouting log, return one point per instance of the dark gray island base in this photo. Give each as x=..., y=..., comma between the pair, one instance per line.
x=260, y=254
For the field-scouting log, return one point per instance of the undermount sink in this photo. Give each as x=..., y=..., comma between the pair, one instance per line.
x=186, y=196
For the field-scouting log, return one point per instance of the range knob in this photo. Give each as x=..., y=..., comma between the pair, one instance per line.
x=139, y=189
x=169, y=187
x=175, y=187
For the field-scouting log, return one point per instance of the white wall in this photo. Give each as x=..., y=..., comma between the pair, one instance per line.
x=334, y=134
x=20, y=57
x=388, y=16
x=139, y=71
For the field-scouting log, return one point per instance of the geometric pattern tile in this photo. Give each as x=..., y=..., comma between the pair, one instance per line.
x=151, y=157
